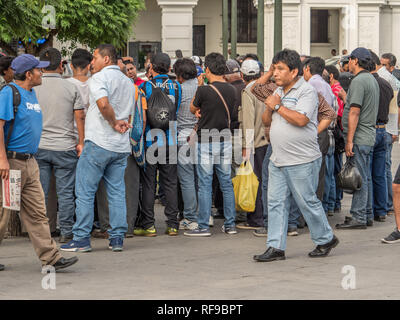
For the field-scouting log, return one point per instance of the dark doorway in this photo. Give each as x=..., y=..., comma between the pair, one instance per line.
x=199, y=40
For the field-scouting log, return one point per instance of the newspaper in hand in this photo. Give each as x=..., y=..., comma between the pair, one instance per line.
x=12, y=191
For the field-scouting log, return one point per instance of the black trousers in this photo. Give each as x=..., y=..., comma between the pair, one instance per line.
x=169, y=177
x=256, y=218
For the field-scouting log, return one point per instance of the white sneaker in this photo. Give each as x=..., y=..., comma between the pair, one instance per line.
x=211, y=221
x=186, y=224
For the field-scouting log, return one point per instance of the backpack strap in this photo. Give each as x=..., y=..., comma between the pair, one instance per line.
x=16, y=103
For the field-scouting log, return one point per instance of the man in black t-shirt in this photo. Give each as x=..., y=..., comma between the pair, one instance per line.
x=213, y=105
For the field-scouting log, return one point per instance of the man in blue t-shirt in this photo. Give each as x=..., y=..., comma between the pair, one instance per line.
x=16, y=153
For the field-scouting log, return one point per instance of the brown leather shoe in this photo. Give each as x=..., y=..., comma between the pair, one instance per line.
x=98, y=234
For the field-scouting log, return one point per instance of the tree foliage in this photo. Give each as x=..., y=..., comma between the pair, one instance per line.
x=89, y=22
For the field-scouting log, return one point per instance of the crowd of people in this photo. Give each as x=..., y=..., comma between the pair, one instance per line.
x=112, y=142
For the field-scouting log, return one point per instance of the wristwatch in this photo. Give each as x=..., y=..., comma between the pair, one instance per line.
x=276, y=108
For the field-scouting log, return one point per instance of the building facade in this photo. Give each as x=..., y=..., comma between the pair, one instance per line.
x=312, y=27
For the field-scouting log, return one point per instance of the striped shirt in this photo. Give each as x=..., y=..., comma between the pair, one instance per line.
x=186, y=120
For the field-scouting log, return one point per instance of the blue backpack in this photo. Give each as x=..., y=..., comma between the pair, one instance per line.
x=136, y=134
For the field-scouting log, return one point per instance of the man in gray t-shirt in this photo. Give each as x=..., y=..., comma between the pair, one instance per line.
x=58, y=151
x=295, y=161
x=359, y=120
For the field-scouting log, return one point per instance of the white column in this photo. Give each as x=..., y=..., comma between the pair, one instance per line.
x=368, y=26
x=268, y=32
x=177, y=26
x=395, y=32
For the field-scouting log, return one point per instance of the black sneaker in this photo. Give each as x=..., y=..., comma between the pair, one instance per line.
x=271, y=254
x=380, y=218
x=393, y=237
x=1, y=267
x=370, y=223
x=65, y=263
x=323, y=250
x=292, y=231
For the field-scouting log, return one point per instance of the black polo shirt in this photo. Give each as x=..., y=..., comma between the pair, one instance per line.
x=385, y=96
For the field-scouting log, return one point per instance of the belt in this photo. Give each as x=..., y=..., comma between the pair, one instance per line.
x=380, y=126
x=18, y=155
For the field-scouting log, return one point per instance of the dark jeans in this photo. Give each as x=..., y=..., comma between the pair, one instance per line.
x=64, y=165
x=378, y=196
x=132, y=177
x=389, y=178
x=255, y=219
x=338, y=168
x=168, y=176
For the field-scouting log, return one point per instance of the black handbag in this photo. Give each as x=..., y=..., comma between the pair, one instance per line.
x=349, y=178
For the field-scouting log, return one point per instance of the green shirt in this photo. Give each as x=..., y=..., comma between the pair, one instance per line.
x=364, y=94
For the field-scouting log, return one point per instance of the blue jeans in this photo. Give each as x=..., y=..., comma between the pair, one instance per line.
x=329, y=198
x=187, y=180
x=389, y=178
x=218, y=155
x=64, y=165
x=300, y=181
x=265, y=184
x=359, y=202
x=338, y=191
x=96, y=163
x=377, y=204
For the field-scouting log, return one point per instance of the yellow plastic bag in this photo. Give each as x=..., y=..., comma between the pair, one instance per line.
x=245, y=186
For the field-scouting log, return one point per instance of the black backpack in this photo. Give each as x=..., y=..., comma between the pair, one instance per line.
x=160, y=108
x=16, y=103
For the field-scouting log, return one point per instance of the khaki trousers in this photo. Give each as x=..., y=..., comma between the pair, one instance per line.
x=33, y=212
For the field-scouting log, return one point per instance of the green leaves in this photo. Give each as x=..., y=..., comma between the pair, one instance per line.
x=89, y=22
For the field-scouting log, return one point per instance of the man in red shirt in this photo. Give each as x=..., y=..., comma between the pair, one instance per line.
x=131, y=72
x=340, y=94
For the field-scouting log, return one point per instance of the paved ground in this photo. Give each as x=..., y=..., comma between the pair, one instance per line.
x=219, y=267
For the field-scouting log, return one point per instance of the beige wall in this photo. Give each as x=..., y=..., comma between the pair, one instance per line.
x=148, y=24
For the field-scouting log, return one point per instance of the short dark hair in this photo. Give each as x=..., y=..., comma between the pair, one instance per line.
x=216, y=63
x=5, y=64
x=179, y=54
x=126, y=62
x=332, y=70
x=81, y=58
x=21, y=76
x=291, y=58
x=185, y=68
x=316, y=64
x=252, y=77
x=391, y=57
x=52, y=55
x=251, y=56
x=108, y=50
x=375, y=61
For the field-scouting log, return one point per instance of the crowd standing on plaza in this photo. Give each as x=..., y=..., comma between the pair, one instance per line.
x=97, y=149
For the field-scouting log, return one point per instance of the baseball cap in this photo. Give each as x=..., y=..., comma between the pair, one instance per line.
x=196, y=60
x=233, y=66
x=361, y=54
x=26, y=62
x=250, y=68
